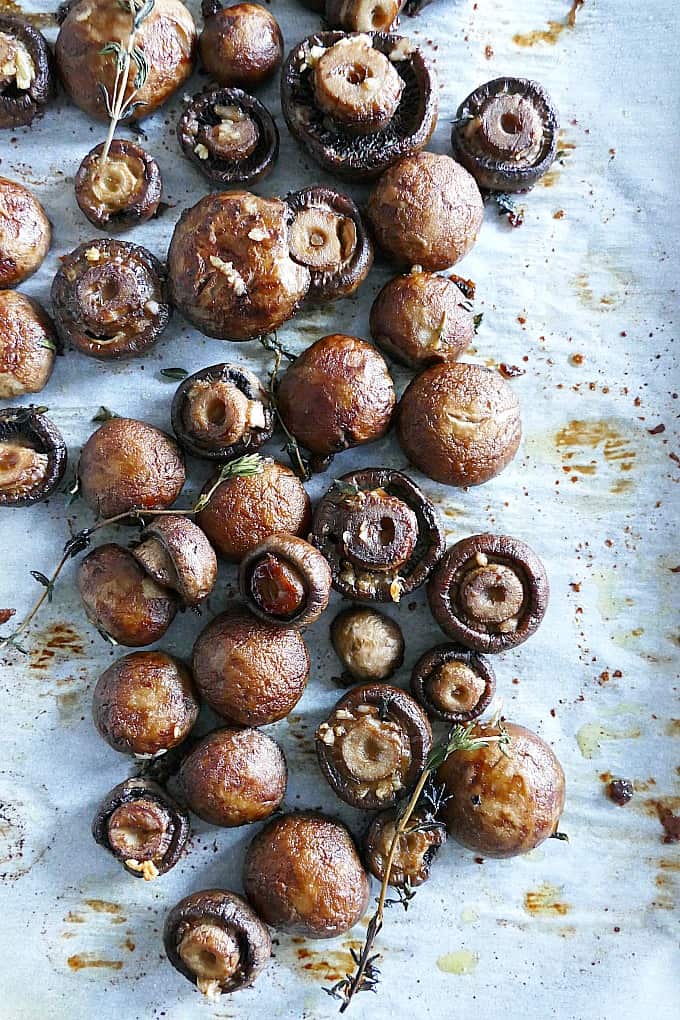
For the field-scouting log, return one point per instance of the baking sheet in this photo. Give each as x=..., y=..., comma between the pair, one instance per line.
x=582, y=298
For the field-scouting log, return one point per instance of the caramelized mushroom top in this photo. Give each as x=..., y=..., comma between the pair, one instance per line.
x=241, y=44
x=369, y=644
x=26, y=78
x=33, y=456
x=25, y=233
x=28, y=345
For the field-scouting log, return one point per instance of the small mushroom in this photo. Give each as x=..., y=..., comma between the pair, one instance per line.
x=416, y=848
x=381, y=535
x=369, y=644
x=502, y=801
x=250, y=672
x=145, y=704
x=175, y=553
x=25, y=233
x=121, y=191
x=426, y=210
x=28, y=345
x=373, y=746
x=26, y=72
x=422, y=318
x=489, y=592
x=285, y=581
x=109, y=299
x=33, y=456
x=459, y=424
x=453, y=684
x=505, y=134
x=230, y=136
x=363, y=15
x=328, y=236
x=216, y=941
x=240, y=45
x=121, y=600
x=245, y=511
x=128, y=464
x=141, y=825
x=359, y=102
x=303, y=875
x=234, y=777
x=222, y=412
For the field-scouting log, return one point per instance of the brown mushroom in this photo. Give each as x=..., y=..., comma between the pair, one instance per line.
x=303, y=875
x=459, y=424
x=26, y=72
x=33, y=456
x=489, y=592
x=244, y=511
x=176, y=554
x=121, y=191
x=234, y=777
x=453, y=684
x=166, y=36
x=363, y=15
x=128, y=464
x=240, y=45
x=503, y=800
x=145, y=703
x=250, y=672
x=25, y=233
x=426, y=210
x=369, y=644
x=109, y=299
x=416, y=848
x=216, y=941
x=373, y=746
x=28, y=345
x=285, y=581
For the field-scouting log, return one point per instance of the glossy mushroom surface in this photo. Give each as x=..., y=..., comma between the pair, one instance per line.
x=503, y=801
x=373, y=746
x=216, y=941
x=33, y=456
x=453, y=683
x=222, y=412
x=250, y=672
x=25, y=233
x=28, y=345
x=351, y=128
x=459, y=424
x=505, y=133
x=489, y=592
x=416, y=849
x=240, y=45
x=234, y=777
x=303, y=875
x=285, y=581
x=26, y=74
x=363, y=15
x=381, y=535
x=122, y=191
x=176, y=553
x=109, y=299
x=369, y=644
x=143, y=827
x=426, y=210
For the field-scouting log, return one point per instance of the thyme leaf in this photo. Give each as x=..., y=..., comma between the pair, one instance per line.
x=477, y=321
x=104, y=414
x=174, y=373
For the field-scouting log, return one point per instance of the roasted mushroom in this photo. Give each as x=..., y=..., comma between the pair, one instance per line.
x=234, y=777
x=166, y=36
x=505, y=134
x=25, y=233
x=109, y=299
x=489, y=592
x=426, y=210
x=145, y=703
x=303, y=875
x=28, y=345
x=141, y=825
x=121, y=191
x=459, y=424
x=176, y=554
x=373, y=746
x=453, y=684
x=250, y=672
x=337, y=394
x=363, y=15
x=222, y=412
x=128, y=464
x=230, y=136
x=422, y=318
x=33, y=456
x=381, y=535
x=241, y=45
x=502, y=800
x=328, y=236
x=26, y=76
x=121, y=600
x=285, y=581
x=416, y=849
x=359, y=102
x=230, y=268
x=216, y=941
x=245, y=510
x=369, y=644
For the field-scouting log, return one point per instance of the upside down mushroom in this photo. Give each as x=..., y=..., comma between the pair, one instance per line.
x=26, y=72
x=285, y=581
x=33, y=456
x=121, y=191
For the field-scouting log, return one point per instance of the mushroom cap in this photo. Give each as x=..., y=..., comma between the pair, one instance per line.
x=241, y=45
x=19, y=107
x=470, y=664
x=187, y=562
x=28, y=345
x=32, y=426
x=308, y=564
x=25, y=233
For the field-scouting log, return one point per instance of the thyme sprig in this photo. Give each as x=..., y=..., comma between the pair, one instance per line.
x=129, y=57
x=300, y=463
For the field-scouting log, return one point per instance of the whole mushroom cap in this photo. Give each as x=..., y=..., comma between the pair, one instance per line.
x=25, y=233
x=28, y=345
x=177, y=554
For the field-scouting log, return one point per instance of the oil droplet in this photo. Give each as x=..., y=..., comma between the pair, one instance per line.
x=468, y=915
x=460, y=962
x=591, y=735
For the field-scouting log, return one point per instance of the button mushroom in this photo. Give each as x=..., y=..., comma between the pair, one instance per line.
x=25, y=233
x=369, y=644
x=28, y=345
x=26, y=76
x=489, y=592
x=453, y=684
x=416, y=848
x=176, y=554
x=120, y=191
x=303, y=875
x=33, y=456
x=363, y=15
x=241, y=45
x=285, y=581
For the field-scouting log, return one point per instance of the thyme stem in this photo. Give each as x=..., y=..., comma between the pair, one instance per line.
x=126, y=55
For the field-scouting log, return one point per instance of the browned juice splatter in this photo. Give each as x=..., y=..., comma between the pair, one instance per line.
x=83, y=960
x=545, y=901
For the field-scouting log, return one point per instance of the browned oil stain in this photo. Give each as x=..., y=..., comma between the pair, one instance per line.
x=578, y=436
x=329, y=965
x=83, y=960
x=103, y=906
x=74, y=918
x=545, y=901
x=58, y=642
x=669, y=864
x=667, y=810
x=554, y=30
x=673, y=728
x=621, y=485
